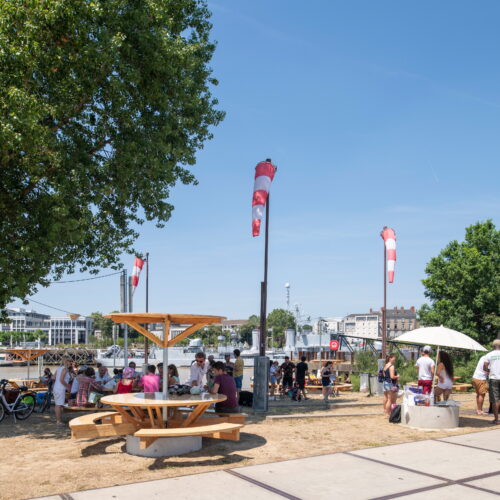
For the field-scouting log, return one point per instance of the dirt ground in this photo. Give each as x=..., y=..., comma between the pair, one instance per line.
x=38, y=458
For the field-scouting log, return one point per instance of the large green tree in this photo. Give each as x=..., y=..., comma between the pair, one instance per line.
x=105, y=325
x=463, y=284
x=103, y=106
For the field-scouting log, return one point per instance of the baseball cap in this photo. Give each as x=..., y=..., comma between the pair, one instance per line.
x=427, y=348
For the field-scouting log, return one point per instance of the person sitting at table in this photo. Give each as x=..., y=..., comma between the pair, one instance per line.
x=47, y=377
x=126, y=383
x=103, y=376
x=173, y=375
x=86, y=383
x=445, y=376
x=347, y=378
x=133, y=367
x=150, y=382
x=197, y=371
x=225, y=384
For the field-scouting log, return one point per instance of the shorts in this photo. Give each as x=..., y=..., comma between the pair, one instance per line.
x=426, y=386
x=287, y=381
x=388, y=386
x=238, y=381
x=301, y=383
x=326, y=382
x=494, y=390
x=274, y=379
x=59, y=397
x=480, y=386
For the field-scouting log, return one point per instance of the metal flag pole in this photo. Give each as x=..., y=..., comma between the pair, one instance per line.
x=146, y=340
x=384, y=312
x=123, y=290
x=263, y=289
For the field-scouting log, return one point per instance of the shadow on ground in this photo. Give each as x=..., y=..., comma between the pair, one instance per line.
x=215, y=452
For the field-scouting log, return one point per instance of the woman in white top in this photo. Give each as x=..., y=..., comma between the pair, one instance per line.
x=445, y=376
x=61, y=385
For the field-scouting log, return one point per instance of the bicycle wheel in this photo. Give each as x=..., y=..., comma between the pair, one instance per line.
x=45, y=404
x=25, y=407
x=2, y=412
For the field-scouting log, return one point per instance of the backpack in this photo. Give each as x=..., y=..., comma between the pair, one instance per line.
x=296, y=396
x=381, y=376
x=395, y=417
x=246, y=398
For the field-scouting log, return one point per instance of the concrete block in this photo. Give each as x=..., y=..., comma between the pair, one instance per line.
x=430, y=417
x=164, y=447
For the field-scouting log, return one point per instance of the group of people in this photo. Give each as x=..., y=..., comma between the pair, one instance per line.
x=293, y=377
x=73, y=384
x=487, y=370
x=218, y=377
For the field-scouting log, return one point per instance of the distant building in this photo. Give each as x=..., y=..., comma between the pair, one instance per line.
x=59, y=329
x=401, y=320
x=232, y=324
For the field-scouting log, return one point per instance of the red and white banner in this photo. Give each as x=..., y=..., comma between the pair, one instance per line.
x=389, y=237
x=136, y=271
x=264, y=174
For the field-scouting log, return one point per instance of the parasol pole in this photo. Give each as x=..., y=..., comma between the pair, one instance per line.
x=146, y=340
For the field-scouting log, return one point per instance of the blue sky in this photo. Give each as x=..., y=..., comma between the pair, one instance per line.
x=376, y=113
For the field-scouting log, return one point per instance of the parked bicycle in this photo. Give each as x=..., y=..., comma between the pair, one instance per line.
x=44, y=399
x=16, y=402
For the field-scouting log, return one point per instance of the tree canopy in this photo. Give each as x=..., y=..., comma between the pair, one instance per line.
x=103, y=106
x=463, y=284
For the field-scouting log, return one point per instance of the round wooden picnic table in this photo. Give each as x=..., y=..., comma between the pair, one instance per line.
x=145, y=409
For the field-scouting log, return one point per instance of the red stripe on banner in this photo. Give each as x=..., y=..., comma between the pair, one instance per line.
x=265, y=168
x=256, y=227
x=135, y=280
x=138, y=262
x=259, y=198
x=391, y=276
x=391, y=254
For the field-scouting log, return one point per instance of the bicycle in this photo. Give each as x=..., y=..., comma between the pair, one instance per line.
x=43, y=400
x=19, y=403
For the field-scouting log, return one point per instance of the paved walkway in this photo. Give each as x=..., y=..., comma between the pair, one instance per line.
x=457, y=467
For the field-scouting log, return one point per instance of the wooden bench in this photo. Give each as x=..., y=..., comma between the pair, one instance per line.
x=74, y=409
x=461, y=387
x=233, y=418
x=98, y=425
x=218, y=431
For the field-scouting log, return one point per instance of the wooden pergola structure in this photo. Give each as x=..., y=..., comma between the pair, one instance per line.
x=26, y=354
x=137, y=320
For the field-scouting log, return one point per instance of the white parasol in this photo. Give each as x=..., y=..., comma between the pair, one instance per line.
x=440, y=336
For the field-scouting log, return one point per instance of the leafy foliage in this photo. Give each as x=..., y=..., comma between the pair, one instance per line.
x=279, y=320
x=103, y=324
x=16, y=337
x=463, y=284
x=103, y=106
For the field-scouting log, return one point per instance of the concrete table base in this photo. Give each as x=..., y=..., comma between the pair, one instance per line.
x=430, y=417
x=164, y=447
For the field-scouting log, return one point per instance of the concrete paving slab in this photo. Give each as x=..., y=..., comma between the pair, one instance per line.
x=488, y=440
x=208, y=485
x=335, y=476
x=437, y=458
x=490, y=483
x=453, y=492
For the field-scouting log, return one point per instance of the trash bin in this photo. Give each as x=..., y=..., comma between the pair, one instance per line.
x=364, y=382
x=376, y=387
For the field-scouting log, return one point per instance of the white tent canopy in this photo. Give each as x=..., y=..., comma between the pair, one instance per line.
x=441, y=337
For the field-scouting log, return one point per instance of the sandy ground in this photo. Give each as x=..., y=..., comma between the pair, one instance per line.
x=38, y=458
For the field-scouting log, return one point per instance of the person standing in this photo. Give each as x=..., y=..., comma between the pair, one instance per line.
x=229, y=364
x=238, y=370
x=480, y=384
x=325, y=373
x=390, y=384
x=492, y=367
x=61, y=385
x=273, y=378
x=445, y=376
x=301, y=371
x=286, y=370
x=425, y=366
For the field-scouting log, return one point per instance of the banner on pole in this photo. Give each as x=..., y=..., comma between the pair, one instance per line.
x=264, y=175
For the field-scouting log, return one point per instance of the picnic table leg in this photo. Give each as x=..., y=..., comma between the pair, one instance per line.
x=196, y=414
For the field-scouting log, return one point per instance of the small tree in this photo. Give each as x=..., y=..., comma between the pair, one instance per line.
x=279, y=320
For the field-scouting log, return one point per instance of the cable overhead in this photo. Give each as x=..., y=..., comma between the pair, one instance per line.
x=86, y=279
